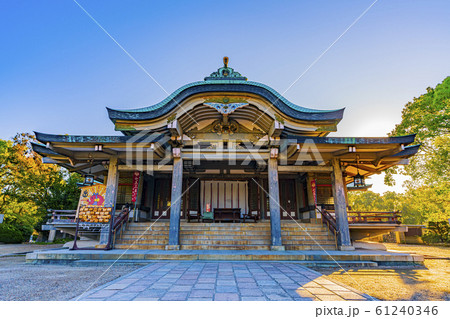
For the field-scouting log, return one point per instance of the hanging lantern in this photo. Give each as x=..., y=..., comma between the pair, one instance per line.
x=358, y=179
x=88, y=180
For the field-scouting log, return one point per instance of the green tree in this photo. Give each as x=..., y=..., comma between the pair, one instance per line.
x=428, y=116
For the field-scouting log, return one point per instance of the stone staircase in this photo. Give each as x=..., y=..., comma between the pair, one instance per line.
x=226, y=236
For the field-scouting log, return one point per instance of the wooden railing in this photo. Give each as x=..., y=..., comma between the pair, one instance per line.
x=119, y=224
x=330, y=221
x=355, y=217
x=374, y=217
x=62, y=215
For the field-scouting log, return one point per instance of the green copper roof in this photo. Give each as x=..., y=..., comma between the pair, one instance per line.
x=221, y=82
x=226, y=80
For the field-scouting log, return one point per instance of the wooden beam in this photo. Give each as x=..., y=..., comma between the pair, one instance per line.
x=365, y=168
x=70, y=154
x=81, y=167
x=387, y=153
x=305, y=169
x=340, y=152
x=164, y=168
x=292, y=149
x=225, y=155
x=108, y=151
x=276, y=129
x=175, y=128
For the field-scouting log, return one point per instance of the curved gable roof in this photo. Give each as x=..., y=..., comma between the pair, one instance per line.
x=226, y=80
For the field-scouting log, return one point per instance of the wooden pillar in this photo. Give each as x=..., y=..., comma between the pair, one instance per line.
x=175, y=201
x=274, y=200
x=340, y=206
x=112, y=185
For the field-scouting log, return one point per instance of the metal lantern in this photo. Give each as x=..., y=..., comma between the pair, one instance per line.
x=88, y=180
x=358, y=180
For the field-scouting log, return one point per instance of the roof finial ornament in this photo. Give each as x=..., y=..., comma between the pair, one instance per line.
x=225, y=73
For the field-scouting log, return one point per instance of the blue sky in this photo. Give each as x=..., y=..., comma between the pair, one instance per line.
x=59, y=70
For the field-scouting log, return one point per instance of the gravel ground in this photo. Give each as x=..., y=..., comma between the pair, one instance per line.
x=6, y=249
x=393, y=283
x=21, y=281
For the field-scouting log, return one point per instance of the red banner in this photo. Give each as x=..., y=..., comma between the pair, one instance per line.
x=134, y=191
x=314, y=191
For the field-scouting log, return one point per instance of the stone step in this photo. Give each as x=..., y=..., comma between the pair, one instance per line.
x=259, y=223
x=201, y=237
x=312, y=263
x=311, y=247
x=249, y=236
x=304, y=233
x=290, y=231
x=208, y=234
x=242, y=241
x=216, y=226
x=307, y=242
x=149, y=232
x=143, y=241
x=137, y=246
x=146, y=235
x=317, y=256
x=225, y=247
x=226, y=236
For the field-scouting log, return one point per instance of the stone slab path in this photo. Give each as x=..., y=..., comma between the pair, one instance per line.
x=227, y=281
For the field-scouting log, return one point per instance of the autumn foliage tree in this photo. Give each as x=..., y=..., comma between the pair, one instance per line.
x=28, y=187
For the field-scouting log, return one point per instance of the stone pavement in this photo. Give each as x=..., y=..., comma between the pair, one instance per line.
x=230, y=281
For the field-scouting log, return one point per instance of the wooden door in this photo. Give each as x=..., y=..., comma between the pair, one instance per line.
x=254, y=199
x=266, y=198
x=161, y=207
x=288, y=200
x=192, y=196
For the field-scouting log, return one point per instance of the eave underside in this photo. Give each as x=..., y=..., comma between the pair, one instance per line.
x=372, y=156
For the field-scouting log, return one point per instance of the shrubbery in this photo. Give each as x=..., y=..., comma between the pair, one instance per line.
x=15, y=233
x=437, y=232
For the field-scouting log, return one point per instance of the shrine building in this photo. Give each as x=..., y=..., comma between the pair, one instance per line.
x=228, y=163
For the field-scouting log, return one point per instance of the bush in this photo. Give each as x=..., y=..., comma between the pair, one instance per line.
x=10, y=233
x=437, y=232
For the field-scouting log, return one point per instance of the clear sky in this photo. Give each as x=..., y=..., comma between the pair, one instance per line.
x=59, y=70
